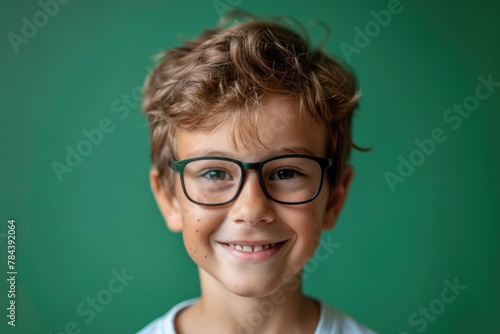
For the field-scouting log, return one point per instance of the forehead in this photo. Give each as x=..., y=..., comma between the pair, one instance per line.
x=277, y=127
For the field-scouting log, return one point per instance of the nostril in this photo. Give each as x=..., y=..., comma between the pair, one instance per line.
x=262, y=221
x=252, y=210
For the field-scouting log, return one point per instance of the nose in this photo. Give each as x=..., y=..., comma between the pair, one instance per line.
x=252, y=206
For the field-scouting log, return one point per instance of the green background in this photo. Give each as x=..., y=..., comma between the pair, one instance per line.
x=396, y=247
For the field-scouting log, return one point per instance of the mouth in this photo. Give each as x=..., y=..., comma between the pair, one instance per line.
x=253, y=251
x=254, y=248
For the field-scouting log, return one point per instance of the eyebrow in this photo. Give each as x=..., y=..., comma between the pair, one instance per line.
x=272, y=153
x=293, y=150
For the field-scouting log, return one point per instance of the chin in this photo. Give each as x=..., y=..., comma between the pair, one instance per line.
x=253, y=289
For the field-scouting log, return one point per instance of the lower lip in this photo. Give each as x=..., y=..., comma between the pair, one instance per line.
x=260, y=256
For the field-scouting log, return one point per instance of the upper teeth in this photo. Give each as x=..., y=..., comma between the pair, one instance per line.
x=250, y=249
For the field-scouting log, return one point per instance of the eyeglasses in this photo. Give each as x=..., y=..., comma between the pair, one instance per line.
x=286, y=179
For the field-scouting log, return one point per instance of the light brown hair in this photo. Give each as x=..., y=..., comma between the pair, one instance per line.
x=232, y=71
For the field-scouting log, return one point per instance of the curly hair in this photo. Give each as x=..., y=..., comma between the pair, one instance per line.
x=232, y=71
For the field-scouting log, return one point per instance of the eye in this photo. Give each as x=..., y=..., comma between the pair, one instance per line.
x=285, y=174
x=217, y=175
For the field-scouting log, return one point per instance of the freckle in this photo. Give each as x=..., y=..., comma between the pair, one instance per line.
x=205, y=256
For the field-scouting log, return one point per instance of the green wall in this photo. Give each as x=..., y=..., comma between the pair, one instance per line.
x=397, y=246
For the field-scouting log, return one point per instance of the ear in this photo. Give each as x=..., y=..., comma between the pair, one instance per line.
x=167, y=201
x=337, y=198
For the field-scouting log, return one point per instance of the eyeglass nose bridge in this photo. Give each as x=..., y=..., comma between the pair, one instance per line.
x=257, y=166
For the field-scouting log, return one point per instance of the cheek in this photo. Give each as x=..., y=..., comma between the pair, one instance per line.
x=307, y=226
x=198, y=225
x=192, y=240
x=311, y=243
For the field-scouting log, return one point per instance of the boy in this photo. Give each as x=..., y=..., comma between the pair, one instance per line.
x=250, y=136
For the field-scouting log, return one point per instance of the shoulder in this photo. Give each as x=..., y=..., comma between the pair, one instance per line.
x=165, y=323
x=333, y=321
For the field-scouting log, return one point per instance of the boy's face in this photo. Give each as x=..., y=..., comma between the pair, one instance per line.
x=252, y=219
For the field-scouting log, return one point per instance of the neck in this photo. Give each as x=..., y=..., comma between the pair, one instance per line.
x=219, y=310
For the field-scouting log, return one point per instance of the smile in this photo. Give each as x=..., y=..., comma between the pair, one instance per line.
x=251, y=249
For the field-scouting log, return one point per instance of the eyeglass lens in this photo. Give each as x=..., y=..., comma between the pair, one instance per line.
x=290, y=179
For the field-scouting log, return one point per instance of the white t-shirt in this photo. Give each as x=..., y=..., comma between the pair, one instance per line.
x=331, y=321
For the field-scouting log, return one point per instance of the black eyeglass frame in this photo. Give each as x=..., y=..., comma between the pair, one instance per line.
x=324, y=163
